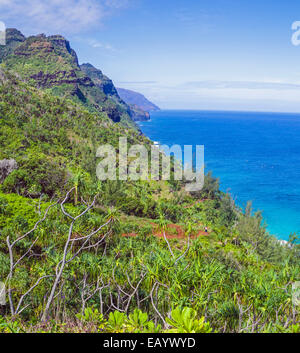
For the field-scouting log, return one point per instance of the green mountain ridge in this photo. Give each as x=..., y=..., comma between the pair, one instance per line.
x=136, y=112
x=50, y=63
x=72, y=144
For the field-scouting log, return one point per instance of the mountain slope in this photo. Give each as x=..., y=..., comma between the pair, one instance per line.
x=49, y=136
x=102, y=81
x=13, y=39
x=106, y=85
x=138, y=114
x=51, y=64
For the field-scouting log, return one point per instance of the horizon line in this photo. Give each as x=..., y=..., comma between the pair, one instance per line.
x=226, y=110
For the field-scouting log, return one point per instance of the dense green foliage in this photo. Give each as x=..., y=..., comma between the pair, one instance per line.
x=222, y=277
x=46, y=154
x=135, y=273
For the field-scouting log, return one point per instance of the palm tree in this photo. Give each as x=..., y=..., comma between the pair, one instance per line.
x=77, y=180
x=163, y=226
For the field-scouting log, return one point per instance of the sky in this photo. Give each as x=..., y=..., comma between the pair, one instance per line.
x=181, y=54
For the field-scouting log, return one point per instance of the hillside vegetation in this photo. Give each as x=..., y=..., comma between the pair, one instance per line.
x=80, y=255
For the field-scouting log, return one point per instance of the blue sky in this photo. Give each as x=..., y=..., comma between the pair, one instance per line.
x=204, y=54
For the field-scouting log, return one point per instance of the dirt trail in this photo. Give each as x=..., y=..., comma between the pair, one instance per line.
x=173, y=231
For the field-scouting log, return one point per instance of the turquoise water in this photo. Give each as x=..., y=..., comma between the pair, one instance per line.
x=255, y=155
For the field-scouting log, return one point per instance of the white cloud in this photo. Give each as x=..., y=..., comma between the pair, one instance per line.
x=117, y=4
x=56, y=16
x=269, y=85
x=96, y=44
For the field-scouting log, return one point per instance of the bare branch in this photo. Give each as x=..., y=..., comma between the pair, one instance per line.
x=29, y=290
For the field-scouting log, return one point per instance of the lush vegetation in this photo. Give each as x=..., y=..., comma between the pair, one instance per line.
x=230, y=280
x=79, y=255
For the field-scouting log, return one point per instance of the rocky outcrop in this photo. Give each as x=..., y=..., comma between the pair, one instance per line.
x=13, y=35
x=7, y=166
x=138, y=114
x=106, y=86
x=46, y=80
x=102, y=81
x=13, y=39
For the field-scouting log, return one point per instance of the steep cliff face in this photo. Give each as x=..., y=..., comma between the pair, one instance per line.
x=107, y=87
x=13, y=39
x=49, y=62
x=138, y=114
x=102, y=81
x=46, y=60
x=135, y=110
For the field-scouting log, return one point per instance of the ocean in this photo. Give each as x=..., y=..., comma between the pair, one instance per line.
x=255, y=155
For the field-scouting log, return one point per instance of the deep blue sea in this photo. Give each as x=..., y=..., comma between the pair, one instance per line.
x=255, y=155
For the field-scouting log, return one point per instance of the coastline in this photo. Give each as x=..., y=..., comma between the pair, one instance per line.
x=252, y=178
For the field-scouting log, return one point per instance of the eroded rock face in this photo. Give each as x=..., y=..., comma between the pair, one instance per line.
x=13, y=35
x=44, y=80
x=102, y=81
x=6, y=167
